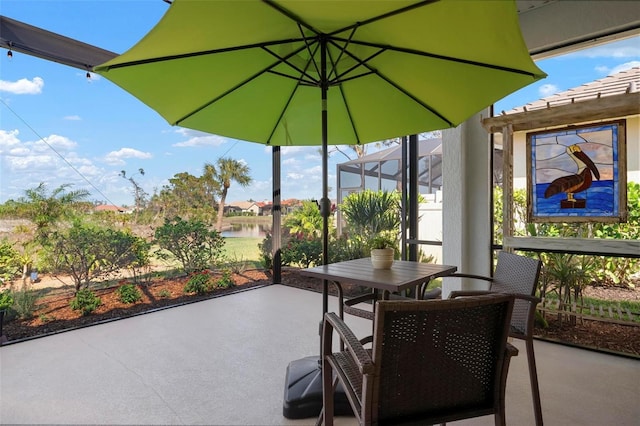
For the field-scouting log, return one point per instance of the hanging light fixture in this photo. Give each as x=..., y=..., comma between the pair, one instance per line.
x=9, y=52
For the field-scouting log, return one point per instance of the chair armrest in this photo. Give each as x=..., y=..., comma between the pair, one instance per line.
x=534, y=300
x=510, y=350
x=463, y=275
x=358, y=352
x=463, y=293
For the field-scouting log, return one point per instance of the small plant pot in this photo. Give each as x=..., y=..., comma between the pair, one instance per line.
x=382, y=258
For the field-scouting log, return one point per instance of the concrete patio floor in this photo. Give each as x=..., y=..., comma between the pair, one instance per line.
x=223, y=362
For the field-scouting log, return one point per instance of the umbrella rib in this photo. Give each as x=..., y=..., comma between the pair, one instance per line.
x=386, y=15
x=291, y=16
x=376, y=72
x=346, y=104
x=342, y=49
x=360, y=62
x=293, y=92
x=254, y=76
x=441, y=57
x=312, y=55
x=285, y=59
x=263, y=45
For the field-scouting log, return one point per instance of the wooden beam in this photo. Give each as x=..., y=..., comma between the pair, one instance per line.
x=593, y=246
x=573, y=113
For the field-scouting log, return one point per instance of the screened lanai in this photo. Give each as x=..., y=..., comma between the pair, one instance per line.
x=382, y=170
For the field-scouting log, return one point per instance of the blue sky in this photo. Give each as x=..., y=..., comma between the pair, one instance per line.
x=58, y=127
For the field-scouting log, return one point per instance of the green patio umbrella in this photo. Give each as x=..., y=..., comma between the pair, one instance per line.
x=325, y=72
x=255, y=70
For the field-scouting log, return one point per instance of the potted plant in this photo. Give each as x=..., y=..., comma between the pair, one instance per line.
x=382, y=251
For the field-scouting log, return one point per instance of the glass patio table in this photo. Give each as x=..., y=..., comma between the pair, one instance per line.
x=303, y=390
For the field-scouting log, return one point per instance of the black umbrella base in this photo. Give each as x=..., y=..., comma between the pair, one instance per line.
x=303, y=391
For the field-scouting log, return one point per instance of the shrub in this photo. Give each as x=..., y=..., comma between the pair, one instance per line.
x=265, y=247
x=225, y=281
x=199, y=282
x=302, y=251
x=6, y=299
x=238, y=264
x=87, y=252
x=9, y=261
x=85, y=301
x=129, y=293
x=165, y=294
x=190, y=242
x=24, y=303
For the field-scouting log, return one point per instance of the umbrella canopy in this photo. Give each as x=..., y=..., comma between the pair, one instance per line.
x=251, y=70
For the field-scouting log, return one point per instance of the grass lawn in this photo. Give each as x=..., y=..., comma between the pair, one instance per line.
x=242, y=249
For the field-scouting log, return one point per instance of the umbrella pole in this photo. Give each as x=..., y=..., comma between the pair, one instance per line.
x=303, y=382
x=325, y=204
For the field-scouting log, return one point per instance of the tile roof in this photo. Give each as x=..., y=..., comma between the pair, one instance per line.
x=627, y=81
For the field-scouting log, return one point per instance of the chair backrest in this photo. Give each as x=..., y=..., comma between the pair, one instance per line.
x=438, y=359
x=518, y=275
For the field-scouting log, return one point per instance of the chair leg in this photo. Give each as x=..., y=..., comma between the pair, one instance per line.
x=327, y=394
x=533, y=376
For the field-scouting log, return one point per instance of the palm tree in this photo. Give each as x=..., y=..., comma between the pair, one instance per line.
x=45, y=209
x=225, y=171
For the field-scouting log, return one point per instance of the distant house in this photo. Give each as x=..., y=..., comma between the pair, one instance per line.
x=108, y=208
x=266, y=209
x=244, y=207
x=232, y=209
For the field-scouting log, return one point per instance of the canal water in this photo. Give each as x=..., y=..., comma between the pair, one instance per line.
x=247, y=230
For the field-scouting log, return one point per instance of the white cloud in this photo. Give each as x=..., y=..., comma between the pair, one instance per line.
x=627, y=48
x=290, y=161
x=547, y=90
x=72, y=118
x=23, y=86
x=118, y=157
x=204, y=140
x=57, y=142
x=8, y=140
x=24, y=164
x=606, y=70
x=291, y=150
x=624, y=67
x=295, y=176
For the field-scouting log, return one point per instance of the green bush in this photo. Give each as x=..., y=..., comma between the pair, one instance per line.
x=199, y=282
x=190, y=242
x=85, y=301
x=302, y=251
x=6, y=299
x=129, y=293
x=225, y=281
x=24, y=303
x=9, y=261
x=266, y=247
x=87, y=252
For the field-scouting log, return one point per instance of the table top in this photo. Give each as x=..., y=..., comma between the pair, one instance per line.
x=403, y=274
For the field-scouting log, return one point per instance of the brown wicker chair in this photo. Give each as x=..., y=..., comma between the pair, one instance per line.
x=430, y=362
x=517, y=275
